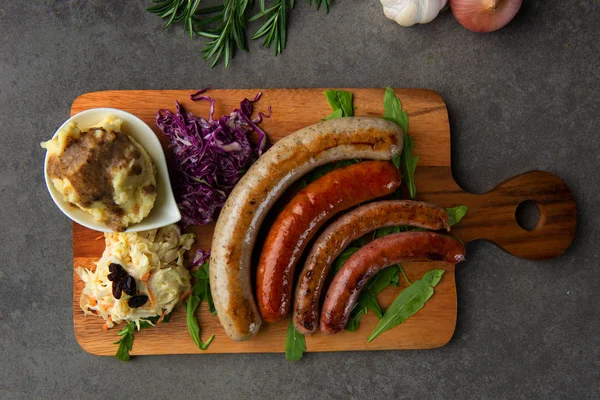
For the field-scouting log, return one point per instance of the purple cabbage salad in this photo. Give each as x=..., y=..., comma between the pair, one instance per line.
x=210, y=155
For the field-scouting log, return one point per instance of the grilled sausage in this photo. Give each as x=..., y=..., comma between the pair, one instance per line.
x=301, y=219
x=243, y=212
x=375, y=256
x=351, y=226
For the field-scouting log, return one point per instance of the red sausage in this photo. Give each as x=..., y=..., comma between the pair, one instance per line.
x=351, y=226
x=375, y=256
x=303, y=216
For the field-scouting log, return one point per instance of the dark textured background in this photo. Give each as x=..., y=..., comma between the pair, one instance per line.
x=524, y=98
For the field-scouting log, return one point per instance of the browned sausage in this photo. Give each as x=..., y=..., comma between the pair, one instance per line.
x=351, y=226
x=242, y=215
x=375, y=256
x=303, y=216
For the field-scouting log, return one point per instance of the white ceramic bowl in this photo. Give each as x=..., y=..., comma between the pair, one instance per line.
x=165, y=209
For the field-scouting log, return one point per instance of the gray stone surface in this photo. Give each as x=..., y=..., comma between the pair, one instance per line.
x=524, y=98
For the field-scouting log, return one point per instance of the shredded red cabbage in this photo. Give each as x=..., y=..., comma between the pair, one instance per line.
x=210, y=155
x=200, y=257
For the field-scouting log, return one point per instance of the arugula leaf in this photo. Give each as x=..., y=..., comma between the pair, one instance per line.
x=393, y=109
x=382, y=279
x=342, y=258
x=126, y=334
x=200, y=291
x=404, y=274
x=126, y=342
x=339, y=99
x=355, y=316
x=191, y=305
x=375, y=285
x=368, y=297
x=455, y=214
x=407, y=162
x=359, y=242
x=202, y=287
x=295, y=345
x=339, y=113
x=408, y=302
x=388, y=230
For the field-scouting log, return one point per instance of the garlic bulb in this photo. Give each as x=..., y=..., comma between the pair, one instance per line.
x=410, y=12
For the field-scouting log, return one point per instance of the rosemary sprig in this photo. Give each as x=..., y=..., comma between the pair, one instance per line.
x=176, y=11
x=229, y=34
x=225, y=25
x=274, y=29
x=319, y=3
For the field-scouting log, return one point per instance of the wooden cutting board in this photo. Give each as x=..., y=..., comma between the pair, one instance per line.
x=491, y=216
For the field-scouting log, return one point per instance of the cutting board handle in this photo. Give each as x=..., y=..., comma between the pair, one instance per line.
x=492, y=216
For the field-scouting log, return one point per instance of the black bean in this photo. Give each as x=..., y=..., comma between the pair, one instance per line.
x=137, y=301
x=117, y=288
x=129, y=286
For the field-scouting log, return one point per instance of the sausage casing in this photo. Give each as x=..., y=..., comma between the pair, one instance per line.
x=288, y=160
x=375, y=256
x=303, y=216
x=349, y=227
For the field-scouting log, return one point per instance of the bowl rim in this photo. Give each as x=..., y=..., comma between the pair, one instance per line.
x=85, y=219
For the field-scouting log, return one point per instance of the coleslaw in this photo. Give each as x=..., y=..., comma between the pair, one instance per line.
x=154, y=259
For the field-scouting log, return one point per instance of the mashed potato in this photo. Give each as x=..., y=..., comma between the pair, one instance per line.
x=104, y=172
x=154, y=259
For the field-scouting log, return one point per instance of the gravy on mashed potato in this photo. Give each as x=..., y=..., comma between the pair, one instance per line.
x=103, y=171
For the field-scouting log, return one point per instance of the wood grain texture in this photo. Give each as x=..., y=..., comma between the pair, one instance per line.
x=491, y=216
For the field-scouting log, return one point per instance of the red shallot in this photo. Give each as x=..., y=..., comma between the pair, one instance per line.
x=484, y=15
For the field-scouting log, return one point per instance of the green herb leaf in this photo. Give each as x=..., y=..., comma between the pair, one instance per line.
x=369, y=300
x=318, y=3
x=408, y=302
x=354, y=321
x=126, y=334
x=397, y=161
x=176, y=11
x=360, y=242
x=342, y=258
x=228, y=31
x=339, y=99
x=404, y=274
x=382, y=280
x=336, y=114
x=393, y=109
x=388, y=230
x=295, y=345
x=192, y=304
x=125, y=343
x=201, y=286
x=368, y=297
x=407, y=162
x=455, y=214
x=274, y=30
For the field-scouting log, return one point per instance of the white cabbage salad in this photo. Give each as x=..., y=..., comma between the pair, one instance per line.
x=154, y=259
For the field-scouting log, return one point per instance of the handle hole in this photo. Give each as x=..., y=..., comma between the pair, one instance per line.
x=528, y=215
